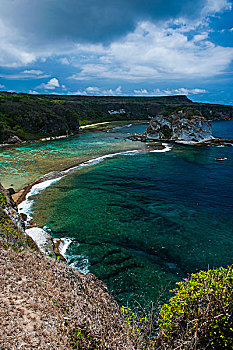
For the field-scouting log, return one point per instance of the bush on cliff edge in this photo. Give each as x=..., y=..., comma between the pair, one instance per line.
x=200, y=314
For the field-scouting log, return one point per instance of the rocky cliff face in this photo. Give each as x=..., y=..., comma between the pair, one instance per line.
x=46, y=304
x=8, y=206
x=183, y=126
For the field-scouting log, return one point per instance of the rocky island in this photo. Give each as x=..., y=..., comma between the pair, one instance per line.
x=187, y=126
x=182, y=125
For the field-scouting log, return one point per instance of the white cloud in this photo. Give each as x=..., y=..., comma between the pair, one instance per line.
x=51, y=84
x=141, y=92
x=2, y=86
x=93, y=90
x=179, y=91
x=96, y=91
x=64, y=60
x=169, y=50
x=111, y=92
x=78, y=92
x=33, y=72
x=215, y=6
x=155, y=52
x=26, y=75
x=13, y=53
x=33, y=92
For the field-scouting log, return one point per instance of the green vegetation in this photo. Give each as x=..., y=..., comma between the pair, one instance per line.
x=11, y=237
x=200, y=314
x=84, y=339
x=31, y=117
x=3, y=200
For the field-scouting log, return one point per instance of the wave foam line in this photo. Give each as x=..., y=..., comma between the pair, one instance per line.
x=63, y=247
x=166, y=149
x=100, y=159
x=26, y=206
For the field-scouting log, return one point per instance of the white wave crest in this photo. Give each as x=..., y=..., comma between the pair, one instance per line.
x=26, y=206
x=166, y=149
x=66, y=242
x=100, y=159
x=81, y=263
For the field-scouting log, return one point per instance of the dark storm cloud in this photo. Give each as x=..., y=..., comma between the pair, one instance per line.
x=89, y=20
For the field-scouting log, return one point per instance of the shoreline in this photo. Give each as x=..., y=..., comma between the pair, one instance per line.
x=20, y=196
x=45, y=242
x=82, y=127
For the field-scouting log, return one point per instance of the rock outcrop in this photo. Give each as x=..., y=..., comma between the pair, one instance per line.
x=8, y=206
x=181, y=126
x=13, y=139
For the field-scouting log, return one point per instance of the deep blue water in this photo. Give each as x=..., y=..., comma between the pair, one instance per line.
x=144, y=221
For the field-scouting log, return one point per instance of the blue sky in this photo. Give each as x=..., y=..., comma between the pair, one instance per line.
x=120, y=47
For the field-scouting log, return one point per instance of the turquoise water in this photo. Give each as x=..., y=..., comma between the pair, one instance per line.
x=140, y=222
x=25, y=163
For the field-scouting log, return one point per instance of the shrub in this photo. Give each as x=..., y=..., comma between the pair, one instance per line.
x=200, y=314
x=11, y=237
x=2, y=200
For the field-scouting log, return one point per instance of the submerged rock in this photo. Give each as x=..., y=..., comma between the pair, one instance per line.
x=182, y=126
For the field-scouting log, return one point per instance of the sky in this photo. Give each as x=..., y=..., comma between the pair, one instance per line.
x=118, y=47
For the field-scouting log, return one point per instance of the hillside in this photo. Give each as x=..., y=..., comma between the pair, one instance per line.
x=31, y=117
x=47, y=304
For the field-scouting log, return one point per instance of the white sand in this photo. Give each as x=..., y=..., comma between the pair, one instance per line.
x=90, y=125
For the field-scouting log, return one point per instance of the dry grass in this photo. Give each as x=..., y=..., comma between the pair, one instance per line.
x=48, y=305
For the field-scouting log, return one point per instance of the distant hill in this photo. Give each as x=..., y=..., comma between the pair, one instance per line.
x=34, y=116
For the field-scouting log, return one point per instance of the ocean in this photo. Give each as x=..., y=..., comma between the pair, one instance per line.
x=139, y=220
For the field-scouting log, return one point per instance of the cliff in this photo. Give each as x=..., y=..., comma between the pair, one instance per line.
x=46, y=304
x=182, y=126
x=29, y=117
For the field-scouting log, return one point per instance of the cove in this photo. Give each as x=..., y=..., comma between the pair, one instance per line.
x=142, y=222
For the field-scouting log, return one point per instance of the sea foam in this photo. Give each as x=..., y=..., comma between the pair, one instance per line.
x=26, y=206
x=166, y=149
x=97, y=160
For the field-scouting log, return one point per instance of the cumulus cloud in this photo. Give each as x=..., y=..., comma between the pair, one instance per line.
x=55, y=27
x=26, y=75
x=92, y=90
x=111, y=92
x=50, y=85
x=33, y=92
x=33, y=72
x=13, y=47
x=153, y=52
x=2, y=86
x=179, y=91
x=141, y=92
x=97, y=91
